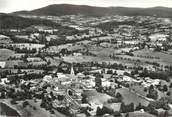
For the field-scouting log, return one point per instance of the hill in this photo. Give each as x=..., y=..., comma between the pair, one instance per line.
x=11, y=21
x=68, y=9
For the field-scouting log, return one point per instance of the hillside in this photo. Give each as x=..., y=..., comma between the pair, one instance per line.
x=68, y=9
x=10, y=21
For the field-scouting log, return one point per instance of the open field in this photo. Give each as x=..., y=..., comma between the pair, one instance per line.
x=106, y=52
x=137, y=58
x=102, y=51
x=129, y=97
x=95, y=97
x=5, y=54
x=163, y=57
x=139, y=89
x=29, y=111
x=80, y=59
x=140, y=114
x=53, y=61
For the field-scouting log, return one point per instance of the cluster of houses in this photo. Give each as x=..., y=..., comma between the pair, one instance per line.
x=46, y=59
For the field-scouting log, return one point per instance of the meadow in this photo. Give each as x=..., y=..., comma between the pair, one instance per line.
x=5, y=54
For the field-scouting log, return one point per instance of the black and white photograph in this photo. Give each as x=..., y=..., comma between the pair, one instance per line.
x=85, y=58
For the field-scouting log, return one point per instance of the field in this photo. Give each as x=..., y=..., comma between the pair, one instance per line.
x=164, y=58
x=80, y=59
x=95, y=97
x=102, y=52
x=53, y=61
x=129, y=97
x=140, y=114
x=5, y=54
x=106, y=52
x=29, y=111
x=139, y=89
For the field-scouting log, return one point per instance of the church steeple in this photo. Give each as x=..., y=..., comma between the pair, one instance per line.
x=72, y=72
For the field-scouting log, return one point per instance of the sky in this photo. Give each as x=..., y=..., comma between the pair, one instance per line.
x=8, y=6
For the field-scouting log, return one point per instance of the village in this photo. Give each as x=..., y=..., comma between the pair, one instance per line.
x=111, y=66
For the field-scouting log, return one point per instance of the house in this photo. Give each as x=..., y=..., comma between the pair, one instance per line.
x=94, y=106
x=52, y=37
x=47, y=78
x=113, y=106
x=77, y=54
x=70, y=38
x=61, y=76
x=80, y=75
x=34, y=35
x=81, y=115
x=89, y=83
x=127, y=78
x=106, y=83
x=4, y=81
x=2, y=64
x=158, y=37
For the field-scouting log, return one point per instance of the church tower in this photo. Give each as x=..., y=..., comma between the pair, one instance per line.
x=72, y=72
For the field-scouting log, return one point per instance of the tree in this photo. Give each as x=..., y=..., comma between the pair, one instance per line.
x=99, y=111
x=127, y=108
x=25, y=103
x=98, y=82
x=170, y=85
x=139, y=107
x=109, y=72
x=151, y=87
x=60, y=97
x=145, y=89
x=70, y=93
x=157, y=49
x=43, y=104
x=117, y=114
x=127, y=115
x=122, y=108
x=168, y=93
x=84, y=99
x=163, y=114
x=166, y=114
x=119, y=97
x=165, y=88
x=2, y=96
x=106, y=110
x=131, y=107
x=153, y=111
x=152, y=93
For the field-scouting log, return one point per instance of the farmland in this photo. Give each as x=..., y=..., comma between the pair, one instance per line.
x=159, y=57
x=5, y=54
x=132, y=97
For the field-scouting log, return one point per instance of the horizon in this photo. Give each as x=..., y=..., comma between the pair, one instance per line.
x=27, y=5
